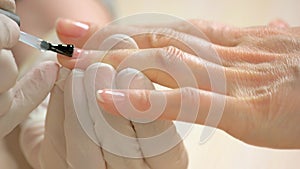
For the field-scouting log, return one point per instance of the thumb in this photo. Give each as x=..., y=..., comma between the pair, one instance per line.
x=75, y=32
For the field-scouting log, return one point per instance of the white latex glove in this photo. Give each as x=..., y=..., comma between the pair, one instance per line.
x=79, y=135
x=46, y=149
x=19, y=98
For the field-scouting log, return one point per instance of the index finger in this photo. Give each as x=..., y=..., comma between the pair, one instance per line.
x=212, y=31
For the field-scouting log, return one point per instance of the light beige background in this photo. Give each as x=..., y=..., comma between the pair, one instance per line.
x=236, y=12
x=222, y=151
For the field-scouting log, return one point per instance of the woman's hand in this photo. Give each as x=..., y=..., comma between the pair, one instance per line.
x=248, y=77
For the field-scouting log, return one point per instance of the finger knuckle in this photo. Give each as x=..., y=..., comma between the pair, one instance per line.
x=165, y=32
x=45, y=74
x=162, y=36
x=191, y=95
x=170, y=55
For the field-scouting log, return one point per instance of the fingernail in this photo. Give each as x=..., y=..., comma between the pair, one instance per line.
x=77, y=53
x=71, y=28
x=99, y=96
x=109, y=96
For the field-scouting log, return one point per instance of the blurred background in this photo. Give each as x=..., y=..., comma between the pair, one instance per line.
x=222, y=151
x=235, y=12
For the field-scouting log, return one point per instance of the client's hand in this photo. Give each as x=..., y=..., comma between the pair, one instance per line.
x=248, y=77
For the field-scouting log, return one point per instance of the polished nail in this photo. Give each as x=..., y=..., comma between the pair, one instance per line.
x=77, y=53
x=99, y=96
x=109, y=95
x=71, y=28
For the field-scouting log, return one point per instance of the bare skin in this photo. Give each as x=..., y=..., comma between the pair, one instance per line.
x=260, y=65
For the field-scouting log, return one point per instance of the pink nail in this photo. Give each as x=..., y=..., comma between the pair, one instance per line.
x=109, y=96
x=77, y=52
x=72, y=29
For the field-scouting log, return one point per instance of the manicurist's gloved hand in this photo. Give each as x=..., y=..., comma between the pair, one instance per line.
x=19, y=97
